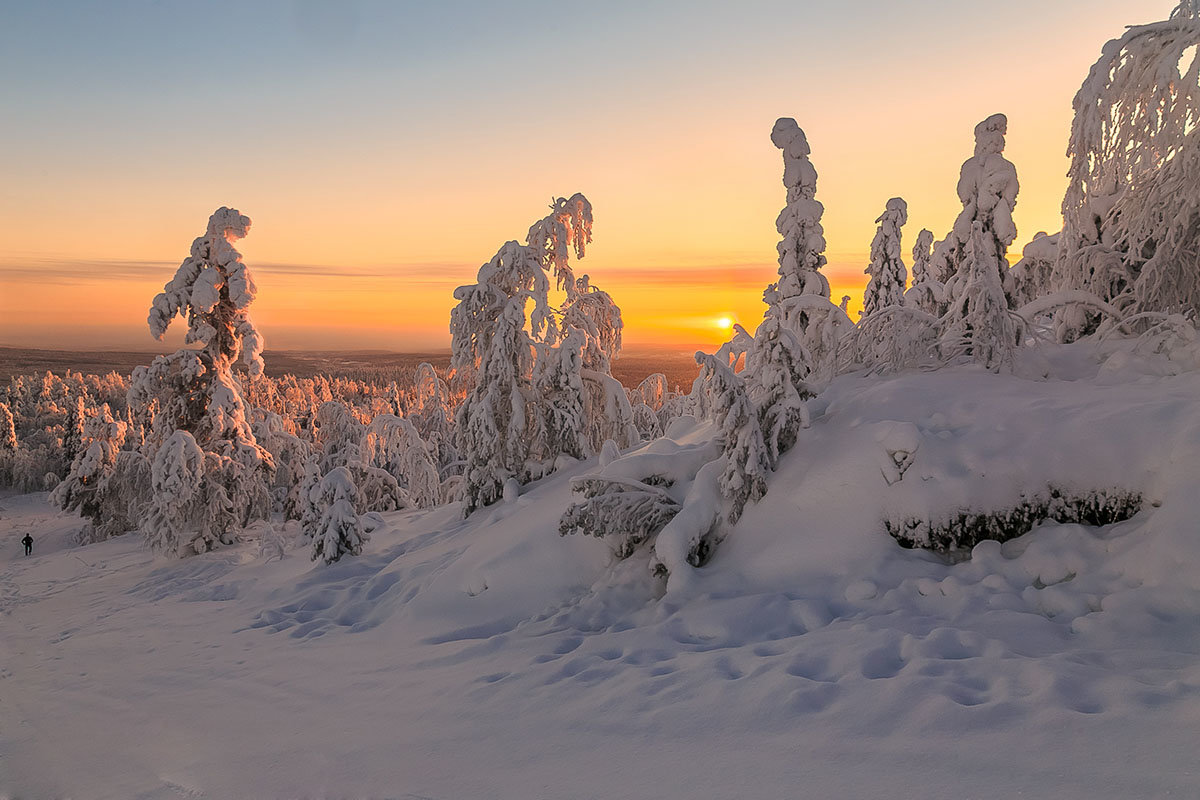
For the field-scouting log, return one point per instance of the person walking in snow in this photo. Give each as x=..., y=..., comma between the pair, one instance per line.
x=28, y=542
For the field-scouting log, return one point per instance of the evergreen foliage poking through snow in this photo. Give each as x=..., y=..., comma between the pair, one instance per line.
x=888, y=275
x=966, y=529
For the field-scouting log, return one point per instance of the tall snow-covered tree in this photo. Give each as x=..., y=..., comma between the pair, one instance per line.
x=926, y=292
x=802, y=289
x=987, y=187
x=8, y=429
x=1131, y=212
x=194, y=390
x=887, y=271
x=84, y=487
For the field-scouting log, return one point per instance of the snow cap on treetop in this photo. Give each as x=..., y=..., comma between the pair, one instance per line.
x=788, y=137
x=989, y=135
x=228, y=222
x=895, y=207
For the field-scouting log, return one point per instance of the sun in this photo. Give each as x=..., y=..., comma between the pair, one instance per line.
x=723, y=322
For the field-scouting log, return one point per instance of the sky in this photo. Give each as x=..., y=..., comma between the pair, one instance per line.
x=384, y=150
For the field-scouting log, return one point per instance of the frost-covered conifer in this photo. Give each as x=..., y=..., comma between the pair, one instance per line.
x=84, y=487
x=433, y=417
x=558, y=387
x=213, y=289
x=1032, y=276
x=748, y=461
x=979, y=322
x=338, y=530
x=1132, y=207
x=392, y=444
x=8, y=429
x=802, y=290
x=195, y=391
x=926, y=293
x=987, y=187
x=802, y=249
x=777, y=369
x=888, y=275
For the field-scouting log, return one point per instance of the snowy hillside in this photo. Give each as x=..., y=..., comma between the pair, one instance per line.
x=811, y=657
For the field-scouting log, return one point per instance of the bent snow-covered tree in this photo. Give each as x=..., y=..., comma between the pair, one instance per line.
x=1131, y=212
x=987, y=187
x=195, y=390
x=888, y=275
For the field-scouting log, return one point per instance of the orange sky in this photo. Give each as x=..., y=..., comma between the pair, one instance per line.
x=369, y=213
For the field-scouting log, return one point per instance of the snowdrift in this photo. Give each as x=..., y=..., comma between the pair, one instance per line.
x=812, y=656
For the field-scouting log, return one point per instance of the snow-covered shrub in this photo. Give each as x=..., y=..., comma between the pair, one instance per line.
x=979, y=323
x=926, y=293
x=338, y=530
x=624, y=511
x=964, y=529
x=647, y=422
x=433, y=416
x=887, y=271
x=1131, y=211
x=892, y=339
x=987, y=187
x=336, y=434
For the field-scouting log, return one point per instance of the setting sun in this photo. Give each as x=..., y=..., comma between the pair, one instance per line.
x=723, y=322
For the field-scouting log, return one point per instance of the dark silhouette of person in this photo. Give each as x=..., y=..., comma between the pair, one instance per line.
x=28, y=542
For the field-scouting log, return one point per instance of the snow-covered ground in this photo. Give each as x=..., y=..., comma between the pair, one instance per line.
x=813, y=657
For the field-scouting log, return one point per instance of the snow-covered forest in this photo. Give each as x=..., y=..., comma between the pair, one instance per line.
x=1000, y=453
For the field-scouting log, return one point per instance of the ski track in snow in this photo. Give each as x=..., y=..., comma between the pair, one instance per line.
x=812, y=657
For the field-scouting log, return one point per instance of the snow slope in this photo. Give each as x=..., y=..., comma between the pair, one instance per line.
x=813, y=657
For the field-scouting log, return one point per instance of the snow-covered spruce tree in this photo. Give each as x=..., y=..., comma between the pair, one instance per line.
x=979, y=323
x=1131, y=212
x=194, y=390
x=888, y=275
x=8, y=445
x=803, y=290
x=392, y=444
x=926, y=293
x=433, y=417
x=747, y=458
x=987, y=187
x=606, y=410
x=83, y=489
x=492, y=420
x=558, y=386
x=777, y=369
x=1033, y=274
x=338, y=530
